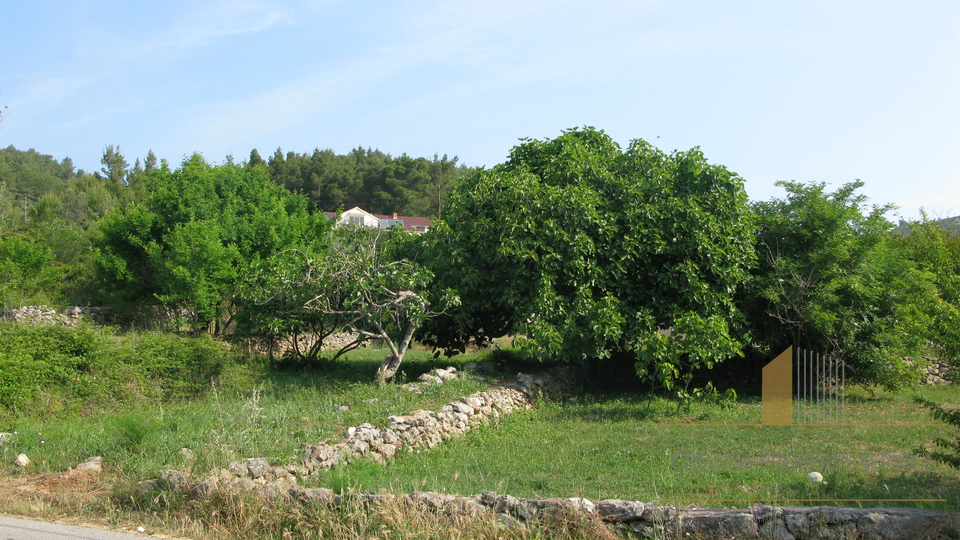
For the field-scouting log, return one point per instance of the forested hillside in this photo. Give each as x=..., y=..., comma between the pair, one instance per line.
x=32, y=174
x=52, y=214
x=370, y=179
x=36, y=188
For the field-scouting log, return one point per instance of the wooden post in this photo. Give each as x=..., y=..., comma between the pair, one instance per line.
x=777, y=393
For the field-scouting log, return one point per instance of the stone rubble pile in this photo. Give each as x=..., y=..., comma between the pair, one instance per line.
x=936, y=371
x=48, y=315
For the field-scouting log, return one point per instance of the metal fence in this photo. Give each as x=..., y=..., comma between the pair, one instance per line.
x=819, y=396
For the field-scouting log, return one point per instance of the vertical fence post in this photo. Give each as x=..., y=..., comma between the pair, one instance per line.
x=818, y=382
x=820, y=388
x=806, y=388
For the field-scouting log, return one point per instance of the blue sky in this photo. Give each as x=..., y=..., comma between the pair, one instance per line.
x=813, y=91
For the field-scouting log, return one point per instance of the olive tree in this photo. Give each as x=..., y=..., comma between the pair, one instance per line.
x=354, y=282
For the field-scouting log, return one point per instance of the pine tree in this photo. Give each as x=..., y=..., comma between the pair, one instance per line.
x=114, y=165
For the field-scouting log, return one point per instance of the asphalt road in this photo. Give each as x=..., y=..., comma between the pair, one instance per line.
x=25, y=529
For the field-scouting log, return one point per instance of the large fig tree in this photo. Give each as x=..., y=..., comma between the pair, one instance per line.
x=588, y=251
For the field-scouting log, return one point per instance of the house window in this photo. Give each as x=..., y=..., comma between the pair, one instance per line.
x=356, y=220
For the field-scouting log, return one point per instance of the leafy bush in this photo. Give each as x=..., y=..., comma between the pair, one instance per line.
x=182, y=367
x=934, y=246
x=52, y=364
x=950, y=449
x=25, y=271
x=47, y=369
x=589, y=251
x=829, y=280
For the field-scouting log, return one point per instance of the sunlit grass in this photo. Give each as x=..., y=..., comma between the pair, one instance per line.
x=632, y=448
x=251, y=411
x=629, y=445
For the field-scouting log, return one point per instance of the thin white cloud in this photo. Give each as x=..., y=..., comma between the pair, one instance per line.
x=222, y=19
x=51, y=91
x=104, y=60
x=491, y=38
x=943, y=203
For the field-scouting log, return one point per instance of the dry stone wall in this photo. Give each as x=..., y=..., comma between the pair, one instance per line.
x=426, y=429
x=48, y=315
x=422, y=429
x=637, y=519
x=936, y=371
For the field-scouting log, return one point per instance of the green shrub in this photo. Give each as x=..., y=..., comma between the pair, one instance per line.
x=46, y=369
x=949, y=452
x=179, y=368
x=17, y=375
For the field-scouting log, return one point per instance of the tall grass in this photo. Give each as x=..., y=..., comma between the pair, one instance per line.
x=247, y=410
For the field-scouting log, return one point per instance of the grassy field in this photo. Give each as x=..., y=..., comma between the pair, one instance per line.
x=633, y=448
x=251, y=411
x=626, y=445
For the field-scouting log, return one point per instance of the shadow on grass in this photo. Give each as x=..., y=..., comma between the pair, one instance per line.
x=360, y=367
x=861, y=399
x=634, y=407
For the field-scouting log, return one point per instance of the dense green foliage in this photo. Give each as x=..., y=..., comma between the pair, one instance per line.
x=829, y=280
x=41, y=187
x=25, y=271
x=583, y=250
x=57, y=209
x=47, y=369
x=588, y=251
x=201, y=228
x=31, y=174
x=370, y=179
x=934, y=247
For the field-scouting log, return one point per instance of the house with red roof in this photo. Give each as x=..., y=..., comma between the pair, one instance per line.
x=359, y=216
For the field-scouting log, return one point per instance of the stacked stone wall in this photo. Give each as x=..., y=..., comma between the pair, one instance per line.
x=426, y=429
x=48, y=315
x=422, y=429
x=647, y=520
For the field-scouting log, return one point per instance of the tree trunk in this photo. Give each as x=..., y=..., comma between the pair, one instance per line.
x=388, y=368
x=391, y=364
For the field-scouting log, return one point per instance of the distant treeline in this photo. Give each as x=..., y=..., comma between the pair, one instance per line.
x=370, y=179
x=38, y=185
